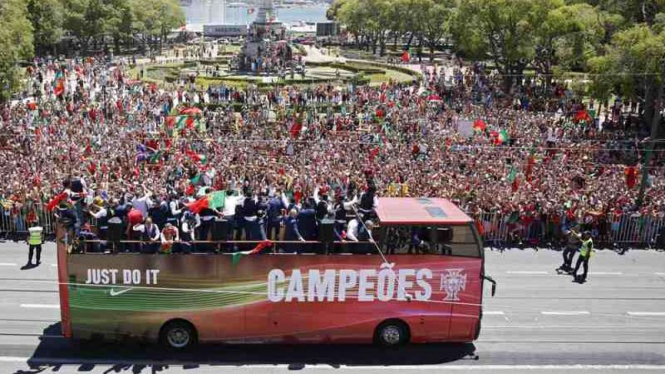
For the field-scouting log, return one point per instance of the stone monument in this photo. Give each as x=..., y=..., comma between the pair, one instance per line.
x=265, y=49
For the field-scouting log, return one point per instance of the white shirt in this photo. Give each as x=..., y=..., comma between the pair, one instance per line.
x=142, y=204
x=100, y=213
x=142, y=228
x=352, y=230
x=230, y=205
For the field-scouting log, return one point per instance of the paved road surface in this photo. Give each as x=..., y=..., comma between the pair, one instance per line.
x=538, y=322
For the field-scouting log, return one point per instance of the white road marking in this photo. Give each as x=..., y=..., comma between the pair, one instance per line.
x=647, y=314
x=660, y=274
x=606, y=273
x=13, y=359
x=7, y=264
x=493, y=313
x=528, y=272
x=565, y=313
x=40, y=306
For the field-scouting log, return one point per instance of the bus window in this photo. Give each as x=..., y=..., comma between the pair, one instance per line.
x=462, y=242
x=426, y=240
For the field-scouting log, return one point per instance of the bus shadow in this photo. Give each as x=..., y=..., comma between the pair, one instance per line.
x=133, y=356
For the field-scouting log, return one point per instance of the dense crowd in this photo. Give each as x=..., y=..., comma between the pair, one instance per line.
x=115, y=145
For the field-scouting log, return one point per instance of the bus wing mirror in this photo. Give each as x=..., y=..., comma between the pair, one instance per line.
x=489, y=279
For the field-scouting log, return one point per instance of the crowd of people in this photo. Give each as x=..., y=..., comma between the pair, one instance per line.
x=96, y=143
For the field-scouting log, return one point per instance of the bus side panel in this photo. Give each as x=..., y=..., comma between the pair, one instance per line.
x=230, y=300
x=467, y=304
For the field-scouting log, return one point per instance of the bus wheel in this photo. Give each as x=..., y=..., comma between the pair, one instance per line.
x=178, y=335
x=392, y=333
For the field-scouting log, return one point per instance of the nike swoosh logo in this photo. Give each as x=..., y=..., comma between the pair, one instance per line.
x=114, y=293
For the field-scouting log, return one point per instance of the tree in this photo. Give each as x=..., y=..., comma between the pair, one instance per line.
x=437, y=24
x=332, y=13
x=500, y=29
x=154, y=19
x=352, y=15
x=47, y=18
x=16, y=44
x=86, y=20
x=567, y=37
x=633, y=67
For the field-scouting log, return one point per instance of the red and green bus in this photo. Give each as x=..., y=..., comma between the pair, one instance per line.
x=426, y=285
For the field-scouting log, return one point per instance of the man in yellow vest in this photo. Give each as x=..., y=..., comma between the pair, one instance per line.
x=586, y=251
x=35, y=240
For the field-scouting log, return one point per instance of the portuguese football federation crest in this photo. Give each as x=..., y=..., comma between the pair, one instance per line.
x=452, y=282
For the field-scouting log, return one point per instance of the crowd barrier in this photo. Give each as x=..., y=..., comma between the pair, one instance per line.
x=497, y=229
x=500, y=229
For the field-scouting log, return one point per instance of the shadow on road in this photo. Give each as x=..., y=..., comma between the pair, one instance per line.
x=133, y=356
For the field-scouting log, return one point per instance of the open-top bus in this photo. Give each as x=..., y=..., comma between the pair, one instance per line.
x=426, y=285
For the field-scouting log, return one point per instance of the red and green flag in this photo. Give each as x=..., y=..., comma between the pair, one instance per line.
x=59, y=87
x=215, y=200
x=257, y=250
x=184, y=121
x=196, y=157
x=512, y=175
x=55, y=201
x=503, y=137
x=582, y=116
x=479, y=125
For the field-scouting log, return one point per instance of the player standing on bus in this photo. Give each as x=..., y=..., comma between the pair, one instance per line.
x=35, y=240
x=585, y=254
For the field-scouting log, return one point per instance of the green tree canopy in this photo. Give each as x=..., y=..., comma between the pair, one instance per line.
x=16, y=44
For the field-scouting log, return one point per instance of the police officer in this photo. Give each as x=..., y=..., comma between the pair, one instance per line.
x=586, y=252
x=35, y=240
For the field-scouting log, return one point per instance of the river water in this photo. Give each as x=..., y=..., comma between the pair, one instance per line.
x=212, y=12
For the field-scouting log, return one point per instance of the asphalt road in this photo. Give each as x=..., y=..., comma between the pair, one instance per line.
x=538, y=322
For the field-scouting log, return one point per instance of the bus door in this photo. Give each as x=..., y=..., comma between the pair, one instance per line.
x=463, y=281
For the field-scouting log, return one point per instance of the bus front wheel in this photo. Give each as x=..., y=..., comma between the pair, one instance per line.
x=178, y=335
x=392, y=333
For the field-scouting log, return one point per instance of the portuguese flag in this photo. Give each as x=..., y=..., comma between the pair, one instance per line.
x=184, y=122
x=503, y=137
x=196, y=157
x=257, y=250
x=213, y=201
x=55, y=201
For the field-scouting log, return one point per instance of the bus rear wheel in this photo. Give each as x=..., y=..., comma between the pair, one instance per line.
x=178, y=335
x=392, y=334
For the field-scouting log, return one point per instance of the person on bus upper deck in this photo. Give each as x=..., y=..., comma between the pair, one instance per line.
x=357, y=232
x=149, y=235
x=323, y=206
x=307, y=220
x=99, y=212
x=292, y=232
x=229, y=212
x=158, y=212
x=207, y=218
x=190, y=223
x=249, y=214
x=368, y=200
x=169, y=238
x=174, y=209
x=276, y=210
x=143, y=202
x=262, y=211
